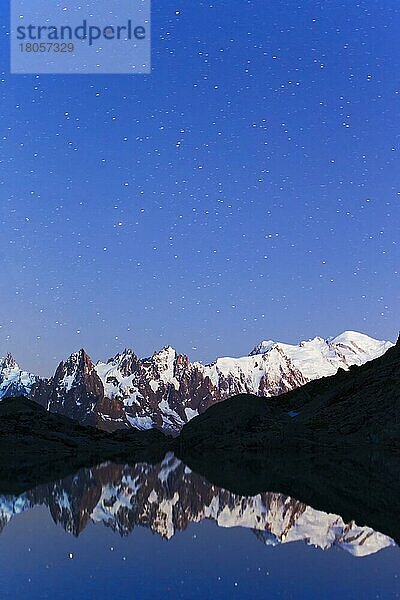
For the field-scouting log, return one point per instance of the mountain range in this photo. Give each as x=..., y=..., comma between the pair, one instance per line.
x=332, y=443
x=166, y=390
x=168, y=497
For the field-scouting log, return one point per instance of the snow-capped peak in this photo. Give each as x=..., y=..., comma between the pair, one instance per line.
x=353, y=344
x=262, y=347
x=13, y=381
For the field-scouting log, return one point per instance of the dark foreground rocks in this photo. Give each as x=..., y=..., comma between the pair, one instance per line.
x=354, y=409
x=37, y=446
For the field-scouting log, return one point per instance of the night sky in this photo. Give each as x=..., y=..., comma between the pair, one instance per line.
x=247, y=189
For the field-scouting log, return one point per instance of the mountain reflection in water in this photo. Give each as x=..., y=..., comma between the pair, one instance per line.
x=169, y=497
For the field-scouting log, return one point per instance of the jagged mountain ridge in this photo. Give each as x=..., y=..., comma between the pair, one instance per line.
x=168, y=497
x=167, y=390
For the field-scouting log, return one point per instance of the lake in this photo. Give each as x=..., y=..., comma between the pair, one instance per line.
x=163, y=531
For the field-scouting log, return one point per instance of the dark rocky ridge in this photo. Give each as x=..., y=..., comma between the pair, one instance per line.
x=355, y=408
x=38, y=446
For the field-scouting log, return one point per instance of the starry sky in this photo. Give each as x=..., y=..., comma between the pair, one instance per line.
x=247, y=189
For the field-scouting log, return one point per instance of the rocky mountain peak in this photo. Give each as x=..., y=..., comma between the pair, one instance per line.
x=166, y=353
x=127, y=353
x=73, y=370
x=125, y=362
x=80, y=358
x=8, y=362
x=74, y=391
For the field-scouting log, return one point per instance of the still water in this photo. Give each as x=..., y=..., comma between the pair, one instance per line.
x=162, y=531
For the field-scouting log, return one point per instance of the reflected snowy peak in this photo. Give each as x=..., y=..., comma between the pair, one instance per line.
x=167, y=498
